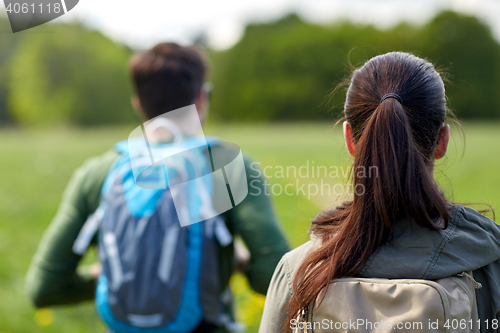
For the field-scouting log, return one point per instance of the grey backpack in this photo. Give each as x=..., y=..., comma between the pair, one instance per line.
x=394, y=305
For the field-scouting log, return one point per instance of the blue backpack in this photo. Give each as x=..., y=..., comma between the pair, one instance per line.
x=157, y=276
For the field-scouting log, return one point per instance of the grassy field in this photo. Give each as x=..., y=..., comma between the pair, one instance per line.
x=36, y=165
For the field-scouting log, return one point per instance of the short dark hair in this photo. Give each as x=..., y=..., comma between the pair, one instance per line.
x=167, y=77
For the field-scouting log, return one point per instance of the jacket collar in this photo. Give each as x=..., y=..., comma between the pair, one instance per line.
x=471, y=241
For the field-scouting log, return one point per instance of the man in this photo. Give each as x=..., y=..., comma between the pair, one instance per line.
x=166, y=78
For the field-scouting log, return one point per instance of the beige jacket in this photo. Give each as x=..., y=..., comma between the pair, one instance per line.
x=470, y=243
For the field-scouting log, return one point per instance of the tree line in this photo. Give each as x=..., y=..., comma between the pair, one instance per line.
x=294, y=70
x=279, y=71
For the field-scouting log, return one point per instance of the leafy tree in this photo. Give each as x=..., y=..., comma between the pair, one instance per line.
x=466, y=50
x=9, y=43
x=73, y=75
x=285, y=70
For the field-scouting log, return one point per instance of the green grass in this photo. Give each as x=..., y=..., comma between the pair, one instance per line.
x=36, y=165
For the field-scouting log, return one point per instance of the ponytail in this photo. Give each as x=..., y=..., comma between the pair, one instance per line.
x=403, y=184
x=392, y=179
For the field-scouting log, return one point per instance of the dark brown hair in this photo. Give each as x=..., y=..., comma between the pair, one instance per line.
x=167, y=77
x=398, y=140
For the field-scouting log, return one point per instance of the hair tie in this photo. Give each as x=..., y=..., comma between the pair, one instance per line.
x=391, y=95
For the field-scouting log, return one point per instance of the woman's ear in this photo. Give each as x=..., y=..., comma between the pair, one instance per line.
x=442, y=145
x=349, y=143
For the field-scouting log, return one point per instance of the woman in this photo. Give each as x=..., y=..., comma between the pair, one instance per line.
x=399, y=224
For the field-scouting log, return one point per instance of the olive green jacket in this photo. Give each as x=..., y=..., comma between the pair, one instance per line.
x=470, y=243
x=54, y=277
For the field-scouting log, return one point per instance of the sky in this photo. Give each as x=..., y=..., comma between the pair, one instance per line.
x=143, y=23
